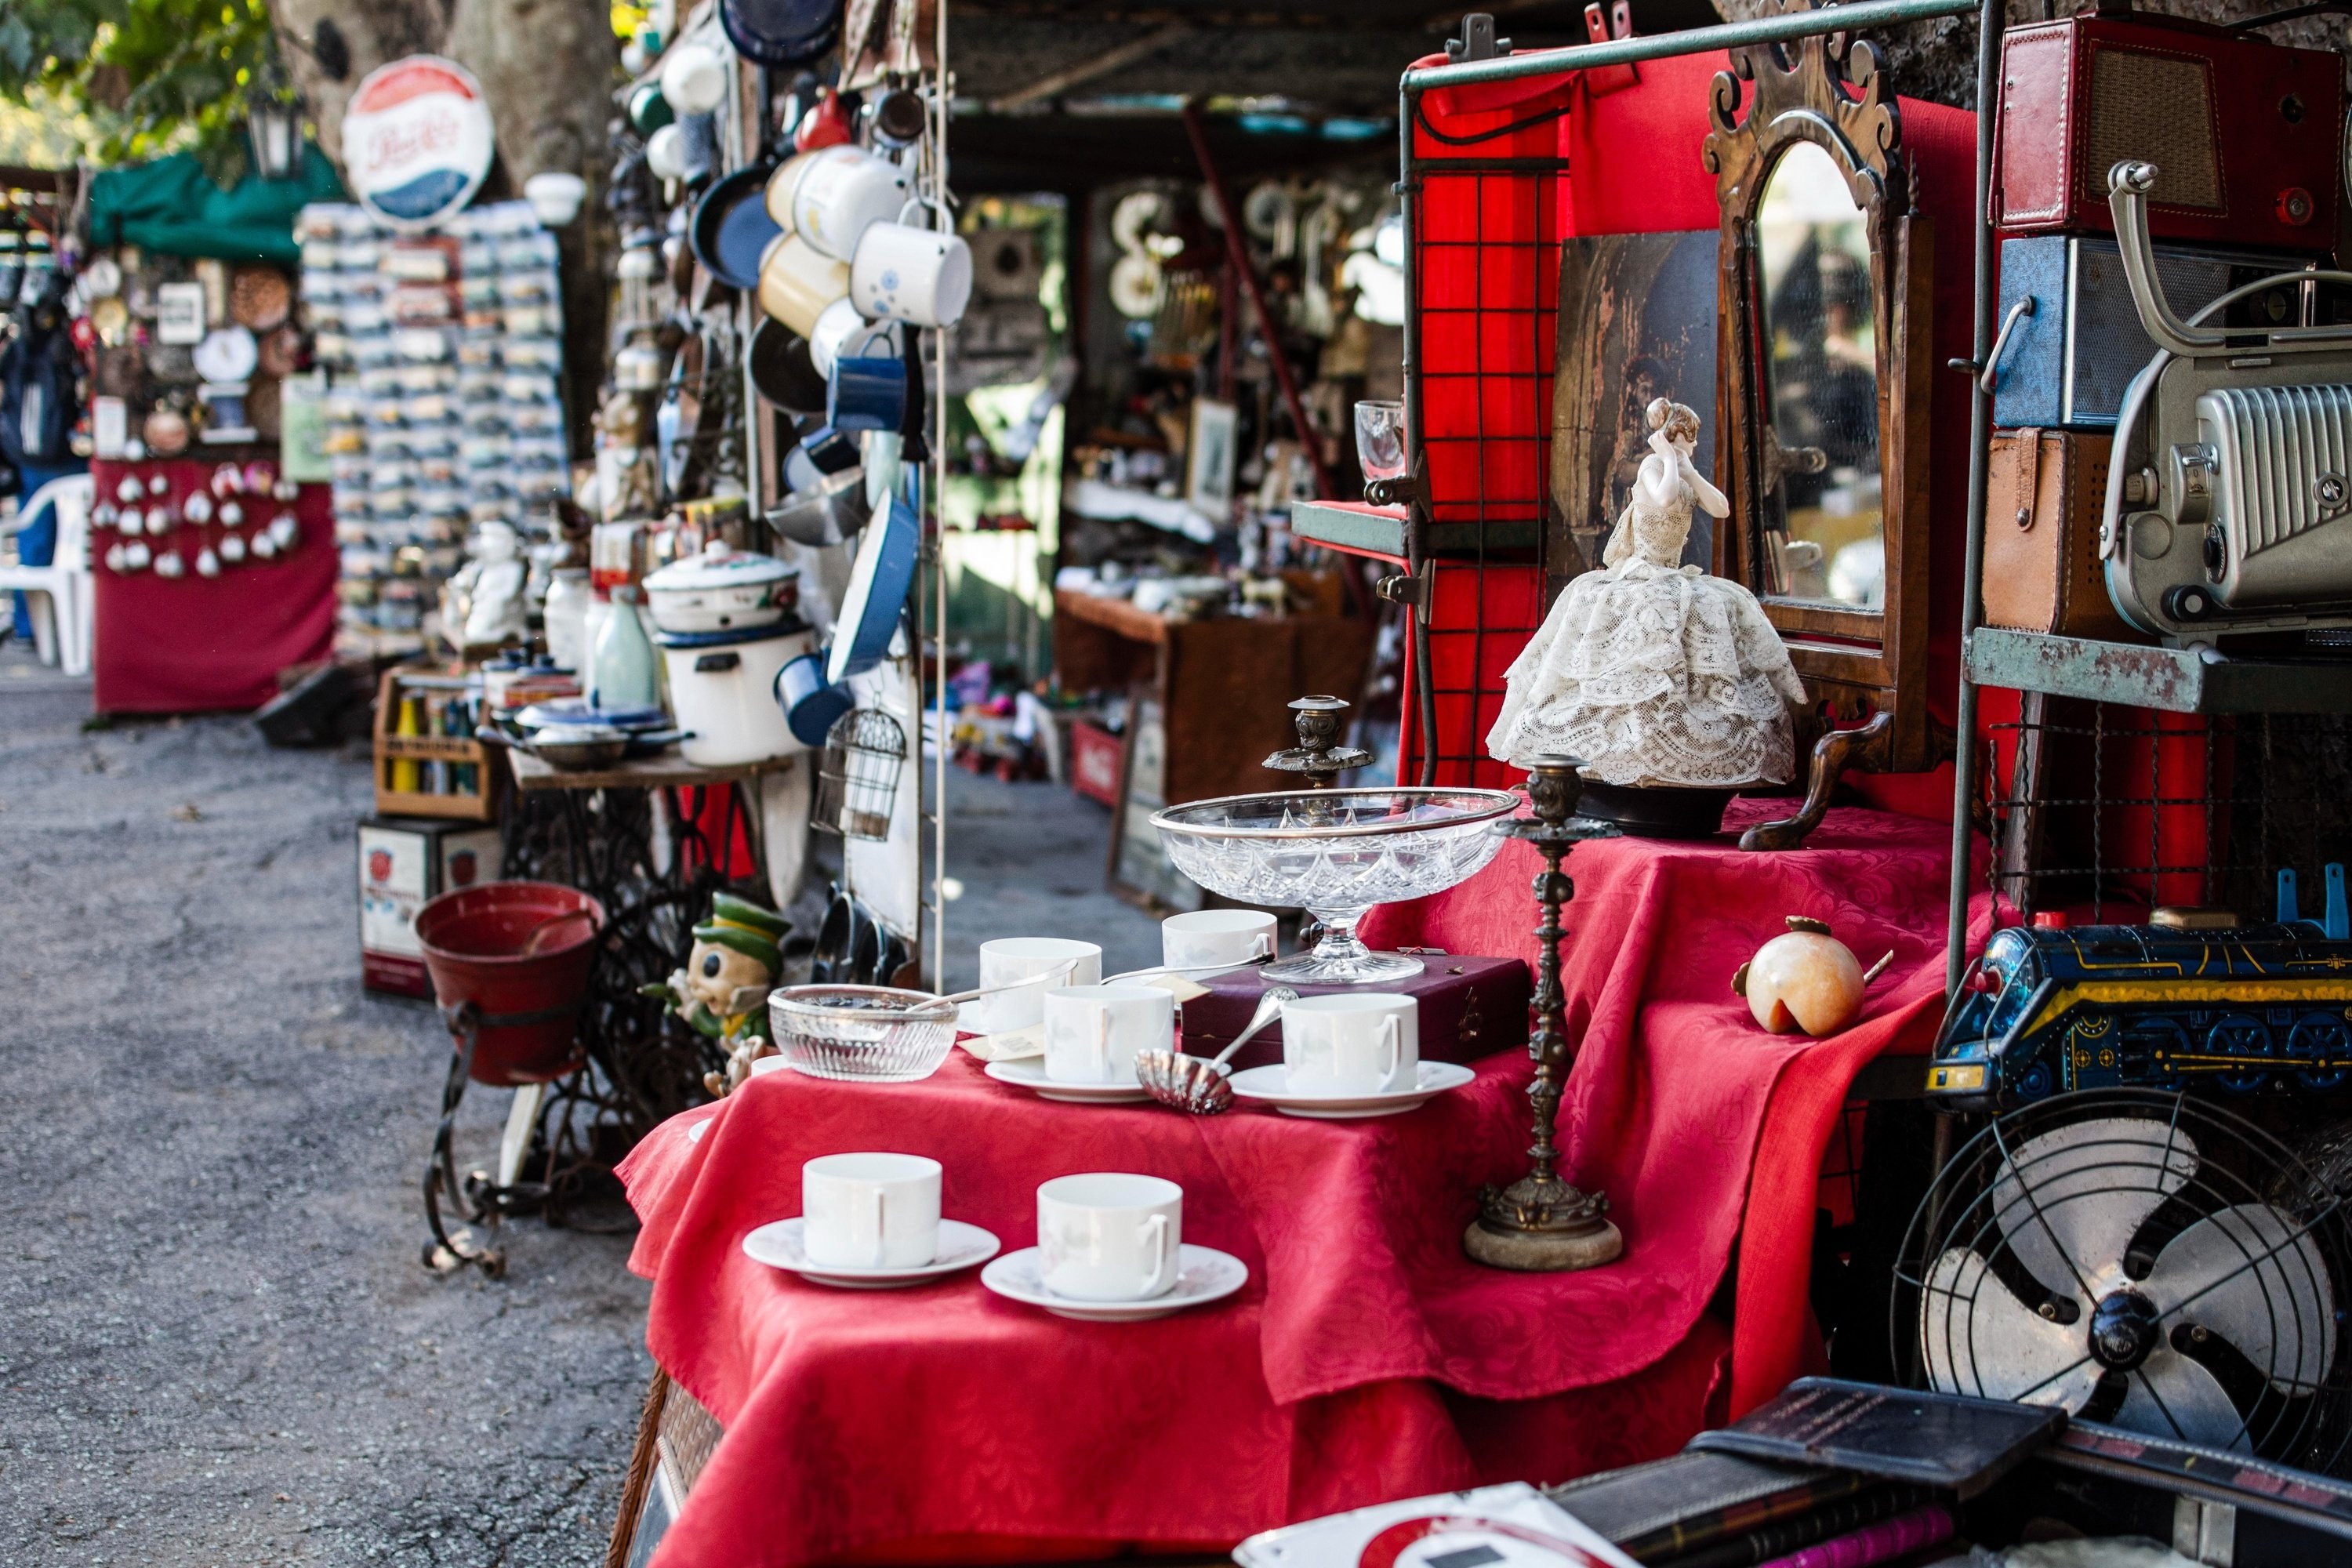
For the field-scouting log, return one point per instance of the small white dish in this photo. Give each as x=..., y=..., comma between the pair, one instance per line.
x=1270, y=1085
x=1203, y=1275
x=1029, y=1073
x=779, y=1245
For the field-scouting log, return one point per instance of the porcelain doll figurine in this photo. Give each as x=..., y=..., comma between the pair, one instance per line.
x=1654, y=672
x=722, y=991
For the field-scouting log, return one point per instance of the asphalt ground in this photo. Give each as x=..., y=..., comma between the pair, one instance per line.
x=218, y=1344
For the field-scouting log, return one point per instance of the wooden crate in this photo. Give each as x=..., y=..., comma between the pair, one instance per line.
x=478, y=804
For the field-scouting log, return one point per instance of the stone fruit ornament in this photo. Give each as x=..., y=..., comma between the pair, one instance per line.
x=1805, y=979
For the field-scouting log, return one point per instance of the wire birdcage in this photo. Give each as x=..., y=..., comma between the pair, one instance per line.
x=857, y=778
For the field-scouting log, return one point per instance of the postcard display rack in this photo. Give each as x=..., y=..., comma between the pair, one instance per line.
x=444, y=410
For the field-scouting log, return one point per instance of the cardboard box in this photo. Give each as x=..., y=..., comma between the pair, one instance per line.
x=405, y=863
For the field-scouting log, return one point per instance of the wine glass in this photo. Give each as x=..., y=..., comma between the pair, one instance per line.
x=1379, y=439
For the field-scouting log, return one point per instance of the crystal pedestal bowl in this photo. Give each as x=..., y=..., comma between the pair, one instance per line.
x=1336, y=852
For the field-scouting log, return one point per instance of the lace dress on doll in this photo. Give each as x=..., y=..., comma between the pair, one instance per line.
x=1652, y=672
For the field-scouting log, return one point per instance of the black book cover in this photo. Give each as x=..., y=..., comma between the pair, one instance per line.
x=1662, y=1510
x=1937, y=1439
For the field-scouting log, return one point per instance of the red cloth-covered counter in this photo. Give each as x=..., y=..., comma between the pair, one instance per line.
x=1367, y=1358
x=192, y=644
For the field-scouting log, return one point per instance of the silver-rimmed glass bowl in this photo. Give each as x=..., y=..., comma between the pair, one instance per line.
x=872, y=1033
x=1336, y=853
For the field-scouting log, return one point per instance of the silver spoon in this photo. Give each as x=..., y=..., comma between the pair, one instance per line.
x=1204, y=1086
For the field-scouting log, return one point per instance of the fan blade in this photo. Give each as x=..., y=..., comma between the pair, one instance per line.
x=2193, y=1407
x=2244, y=1274
x=1976, y=1338
x=2069, y=1200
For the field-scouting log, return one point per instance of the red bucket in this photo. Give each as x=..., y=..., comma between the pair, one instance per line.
x=519, y=951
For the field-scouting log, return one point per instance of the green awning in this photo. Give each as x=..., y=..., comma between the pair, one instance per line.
x=172, y=206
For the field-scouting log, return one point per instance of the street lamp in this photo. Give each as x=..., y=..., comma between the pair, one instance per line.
x=275, y=128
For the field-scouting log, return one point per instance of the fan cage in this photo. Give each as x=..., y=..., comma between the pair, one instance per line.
x=2238, y=1162
x=857, y=777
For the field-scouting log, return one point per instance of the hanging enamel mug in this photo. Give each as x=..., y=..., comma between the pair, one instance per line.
x=921, y=276
x=843, y=192
x=781, y=186
x=865, y=393
x=843, y=333
x=796, y=282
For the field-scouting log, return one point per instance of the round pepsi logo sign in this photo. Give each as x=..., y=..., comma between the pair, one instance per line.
x=418, y=139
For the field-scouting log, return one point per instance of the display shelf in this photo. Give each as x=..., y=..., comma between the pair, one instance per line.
x=1362, y=529
x=2169, y=679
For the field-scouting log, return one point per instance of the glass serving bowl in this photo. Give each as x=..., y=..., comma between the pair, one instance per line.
x=869, y=1033
x=1336, y=852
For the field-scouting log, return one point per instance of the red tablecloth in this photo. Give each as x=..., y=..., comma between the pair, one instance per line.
x=1701, y=1128
x=1367, y=1358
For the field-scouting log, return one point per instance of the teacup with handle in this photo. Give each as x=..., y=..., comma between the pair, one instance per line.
x=1108, y=1235
x=870, y=1210
x=1360, y=1042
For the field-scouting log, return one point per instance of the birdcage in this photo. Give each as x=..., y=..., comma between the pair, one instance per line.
x=857, y=777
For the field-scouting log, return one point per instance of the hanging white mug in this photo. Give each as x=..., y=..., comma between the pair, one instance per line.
x=843, y=192
x=842, y=332
x=796, y=282
x=781, y=186
x=916, y=275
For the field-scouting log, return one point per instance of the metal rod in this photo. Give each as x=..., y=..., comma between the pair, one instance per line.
x=1696, y=41
x=1955, y=936
x=1416, y=617
x=1237, y=256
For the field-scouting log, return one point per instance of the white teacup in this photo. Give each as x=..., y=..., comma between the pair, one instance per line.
x=1205, y=937
x=908, y=274
x=1050, y=961
x=1365, y=1041
x=870, y=1211
x=1108, y=1236
x=1093, y=1032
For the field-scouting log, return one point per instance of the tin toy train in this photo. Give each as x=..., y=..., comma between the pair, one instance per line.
x=2192, y=1002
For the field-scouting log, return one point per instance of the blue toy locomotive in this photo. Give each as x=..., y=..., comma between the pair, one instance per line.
x=2192, y=1002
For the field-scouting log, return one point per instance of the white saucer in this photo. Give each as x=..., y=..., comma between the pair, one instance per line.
x=1270, y=1085
x=779, y=1246
x=1203, y=1275
x=1029, y=1073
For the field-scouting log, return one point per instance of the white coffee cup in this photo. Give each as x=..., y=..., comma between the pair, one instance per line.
x=870, y=1211
x=1050, y=961
x=1110, y=1236
x=843, y=192
x=1093, y=1032
x=1364, y=1042
x=910, y=274
x=1215, y=936
x=842, y=333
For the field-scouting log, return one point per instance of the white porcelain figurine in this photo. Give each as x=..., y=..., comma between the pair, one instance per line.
x=1654, y=672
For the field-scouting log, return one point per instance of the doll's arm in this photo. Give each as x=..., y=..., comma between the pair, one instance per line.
x=1710, y=499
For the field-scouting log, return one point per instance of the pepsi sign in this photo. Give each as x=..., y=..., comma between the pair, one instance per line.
x=417, y=141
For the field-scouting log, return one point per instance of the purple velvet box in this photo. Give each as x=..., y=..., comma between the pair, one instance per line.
x=1470, y=1007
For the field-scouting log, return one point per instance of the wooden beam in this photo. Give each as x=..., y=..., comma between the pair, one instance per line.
x=1101, y=65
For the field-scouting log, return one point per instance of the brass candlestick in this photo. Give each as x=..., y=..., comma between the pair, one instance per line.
x=1318, y=756
x=1540, y=1224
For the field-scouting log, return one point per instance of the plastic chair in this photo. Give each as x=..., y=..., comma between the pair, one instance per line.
x=65, y=610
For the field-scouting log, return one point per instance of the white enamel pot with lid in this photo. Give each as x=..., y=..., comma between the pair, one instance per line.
x=721, y=686
x=722, y=589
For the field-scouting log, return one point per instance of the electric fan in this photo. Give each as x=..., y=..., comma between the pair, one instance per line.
x=2143, y=1259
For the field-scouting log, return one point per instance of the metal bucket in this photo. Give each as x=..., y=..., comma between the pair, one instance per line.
x=510, y=961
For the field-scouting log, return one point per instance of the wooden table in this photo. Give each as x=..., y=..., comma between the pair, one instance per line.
x=667, y=771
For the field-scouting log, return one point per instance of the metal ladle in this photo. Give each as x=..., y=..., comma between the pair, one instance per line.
x=1204, y=1086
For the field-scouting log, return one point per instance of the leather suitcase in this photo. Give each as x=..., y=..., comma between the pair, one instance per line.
x=2045, y=492
x=1470, y=1007
x=2245, y=134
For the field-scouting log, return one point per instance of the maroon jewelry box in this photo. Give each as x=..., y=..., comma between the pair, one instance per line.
x=1470, y=1007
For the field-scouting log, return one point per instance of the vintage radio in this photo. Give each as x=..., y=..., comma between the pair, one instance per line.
x=2248, y=133
x=2230, y=493
x=2045, y=494
x=2072, y=339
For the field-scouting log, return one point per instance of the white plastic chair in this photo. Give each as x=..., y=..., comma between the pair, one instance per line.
x=65, y=606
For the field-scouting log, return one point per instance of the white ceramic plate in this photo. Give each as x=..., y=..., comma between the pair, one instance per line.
x=1270, y=1085
x=1029, y=1073
x=1203, y=1275
x=779, y=1246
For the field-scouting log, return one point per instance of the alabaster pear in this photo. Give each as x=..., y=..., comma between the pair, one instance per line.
x=1804, y=979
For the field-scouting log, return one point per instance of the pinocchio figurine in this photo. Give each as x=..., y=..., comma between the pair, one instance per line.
x=722, y=991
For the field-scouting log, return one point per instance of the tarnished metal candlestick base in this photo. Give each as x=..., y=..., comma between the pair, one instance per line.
x=1540, y=1224
x=1316, y=755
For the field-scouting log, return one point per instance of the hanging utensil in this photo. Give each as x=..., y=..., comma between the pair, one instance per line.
x=1204, y=1086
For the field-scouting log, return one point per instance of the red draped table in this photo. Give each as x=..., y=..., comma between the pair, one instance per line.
x=1367, y=1358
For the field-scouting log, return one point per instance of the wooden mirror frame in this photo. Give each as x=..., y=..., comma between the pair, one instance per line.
x=1856, y=664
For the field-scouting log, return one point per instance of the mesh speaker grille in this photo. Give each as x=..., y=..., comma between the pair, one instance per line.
x=2160, y=109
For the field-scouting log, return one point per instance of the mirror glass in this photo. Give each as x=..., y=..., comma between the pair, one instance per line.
x=1823, y=539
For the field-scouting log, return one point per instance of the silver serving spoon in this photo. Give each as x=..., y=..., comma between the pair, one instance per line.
x=1204, y=1086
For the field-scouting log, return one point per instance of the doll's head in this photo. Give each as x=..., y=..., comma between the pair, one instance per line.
x=1678, y=420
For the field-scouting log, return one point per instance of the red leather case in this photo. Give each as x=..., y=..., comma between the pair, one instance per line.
x=2245, y=134
x=1470, y=1007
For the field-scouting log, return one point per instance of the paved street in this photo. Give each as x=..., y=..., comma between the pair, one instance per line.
x=216, y=1343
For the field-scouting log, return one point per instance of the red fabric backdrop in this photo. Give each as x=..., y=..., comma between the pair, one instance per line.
x=191, y=644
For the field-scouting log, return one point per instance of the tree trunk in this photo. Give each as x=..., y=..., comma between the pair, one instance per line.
x=547, y=68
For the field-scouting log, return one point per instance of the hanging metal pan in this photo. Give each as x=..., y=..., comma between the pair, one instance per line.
x=780, y=32
x=781, y=370
x=731, y=226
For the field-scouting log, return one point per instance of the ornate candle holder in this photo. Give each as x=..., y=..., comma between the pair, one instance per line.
x=1540, y=1224
x=1318, y=756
